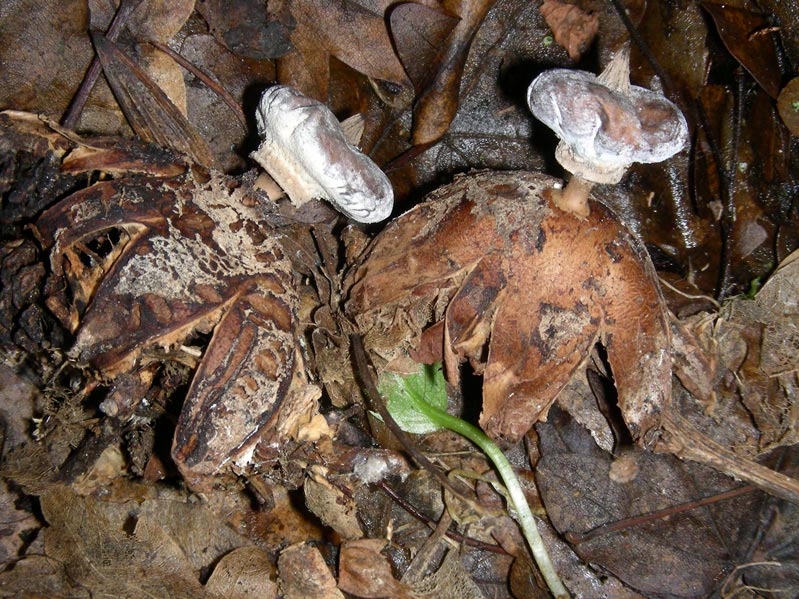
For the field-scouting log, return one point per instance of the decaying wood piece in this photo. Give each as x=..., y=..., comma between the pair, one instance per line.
x=152, y=263
x=490, y=272
x=683, y=440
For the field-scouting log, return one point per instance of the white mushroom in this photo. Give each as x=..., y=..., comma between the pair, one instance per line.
x=306, y=151
x=604, y=124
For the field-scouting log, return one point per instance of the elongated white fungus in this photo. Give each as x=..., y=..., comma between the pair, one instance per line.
x=306, y=151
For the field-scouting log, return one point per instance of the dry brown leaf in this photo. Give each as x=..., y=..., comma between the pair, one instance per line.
x=214, y=119
x=419, y=33
x=195, y=530
x=303, y=573
x=353, y=31
x=106, y=560
x=244, y=573
x=331, y=505
x=18, y=393
x=153, y=20
x=450, y=581
x=40, y=577
x=148, y=109
x=365, y=572
x=573, y=28
x=44, y=51
x=758, y=344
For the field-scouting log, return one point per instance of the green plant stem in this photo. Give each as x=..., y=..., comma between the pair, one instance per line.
x=511, y=481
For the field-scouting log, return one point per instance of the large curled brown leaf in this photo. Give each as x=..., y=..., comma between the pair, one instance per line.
x=193, y=257
x=523, y=291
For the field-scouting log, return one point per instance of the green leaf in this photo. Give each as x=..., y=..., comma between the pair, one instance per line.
x=407, y=394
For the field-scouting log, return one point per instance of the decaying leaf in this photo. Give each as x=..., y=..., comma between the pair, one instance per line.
x=303, y=573
x=364, y=572
x=196, y=531
x=488, y=268
x=331, y=505
x=354, y=31
x=756, y=343
x=449, y=581
x=39, y=577
x=106, y=560
x=580, y=493
x=242, y=574
x=574, y=29
x=155, y=263
x=15, y=524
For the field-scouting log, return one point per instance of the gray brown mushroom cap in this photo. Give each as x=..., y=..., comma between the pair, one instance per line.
x=604, y=123
x=306, y=151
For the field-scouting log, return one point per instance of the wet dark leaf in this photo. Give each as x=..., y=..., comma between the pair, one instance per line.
x=436, y=106
x=741, y=31
x=245, y=29
x=680, y=556
x=788, y=105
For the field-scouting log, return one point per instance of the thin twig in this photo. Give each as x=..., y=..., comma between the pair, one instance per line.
x=609, y=527
x=213, y=85
x=455, y=536
x=72, y=115
x=681, y=439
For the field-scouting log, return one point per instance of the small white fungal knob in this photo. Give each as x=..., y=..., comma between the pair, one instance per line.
x=305, y=150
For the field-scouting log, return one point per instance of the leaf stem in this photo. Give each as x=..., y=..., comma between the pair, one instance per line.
x=520, y=506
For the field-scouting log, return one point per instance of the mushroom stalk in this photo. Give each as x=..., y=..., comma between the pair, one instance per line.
x=574, y=197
